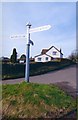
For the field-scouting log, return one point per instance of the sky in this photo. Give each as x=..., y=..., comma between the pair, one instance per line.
x=60, y=15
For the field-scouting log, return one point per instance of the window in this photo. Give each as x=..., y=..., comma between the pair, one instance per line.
x=46, y=58
x=54, y=52
x=39, y=59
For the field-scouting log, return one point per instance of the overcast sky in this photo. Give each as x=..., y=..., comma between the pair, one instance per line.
x=60, y=15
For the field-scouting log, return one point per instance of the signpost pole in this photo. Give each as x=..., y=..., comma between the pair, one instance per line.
x=27, y=53
x=38, y=29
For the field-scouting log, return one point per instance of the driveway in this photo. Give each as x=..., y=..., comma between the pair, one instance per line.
x=65, y=79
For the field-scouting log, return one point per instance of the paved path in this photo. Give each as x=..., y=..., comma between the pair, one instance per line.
x=65, y=79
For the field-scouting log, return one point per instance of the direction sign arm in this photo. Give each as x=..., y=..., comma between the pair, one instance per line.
x=38, y=29
x=18, y=36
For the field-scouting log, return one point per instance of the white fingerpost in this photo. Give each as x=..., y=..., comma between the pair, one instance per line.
x=27, y=53
x=38, y=29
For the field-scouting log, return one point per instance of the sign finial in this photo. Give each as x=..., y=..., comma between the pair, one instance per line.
x=28, y=24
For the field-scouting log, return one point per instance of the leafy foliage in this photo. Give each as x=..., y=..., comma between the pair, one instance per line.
x=18, y=70
x=74, y=56
x=13, y=58
x=23, y=57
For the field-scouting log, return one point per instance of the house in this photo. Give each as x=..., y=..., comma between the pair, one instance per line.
x=31, y=59
x=23, y=59
x=5, y=59
x=50, y=54
x=43, y=58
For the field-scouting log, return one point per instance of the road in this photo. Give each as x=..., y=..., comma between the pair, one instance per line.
x=64, y=78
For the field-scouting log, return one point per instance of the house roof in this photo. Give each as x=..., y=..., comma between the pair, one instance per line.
x=43, y=54
x=4, y=58
x=44, y=51
x=56, y=49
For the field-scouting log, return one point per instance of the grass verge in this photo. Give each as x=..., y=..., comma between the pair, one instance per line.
x=29, y=100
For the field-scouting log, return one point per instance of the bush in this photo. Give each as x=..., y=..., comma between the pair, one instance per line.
x=18, y=70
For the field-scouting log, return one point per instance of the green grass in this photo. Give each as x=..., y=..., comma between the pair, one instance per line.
x=18, y=70
x=29, y=100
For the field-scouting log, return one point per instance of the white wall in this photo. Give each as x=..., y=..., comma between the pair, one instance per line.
x=21, y=61
x=61, y=56
x=43, y=58
x=50, y=52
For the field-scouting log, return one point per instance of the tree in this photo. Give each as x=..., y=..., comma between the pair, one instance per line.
x=13, y=58
x=74, y=56
x=23, y=57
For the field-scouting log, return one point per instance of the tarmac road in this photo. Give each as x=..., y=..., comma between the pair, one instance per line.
x=64, y=78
